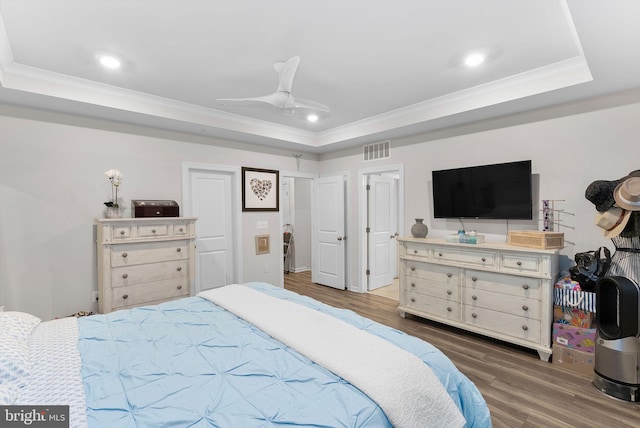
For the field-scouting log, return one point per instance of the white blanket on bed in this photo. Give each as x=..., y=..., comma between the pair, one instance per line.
x=398, y=381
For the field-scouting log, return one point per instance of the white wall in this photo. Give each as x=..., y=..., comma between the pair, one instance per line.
x=567, y=154
x=52, y=186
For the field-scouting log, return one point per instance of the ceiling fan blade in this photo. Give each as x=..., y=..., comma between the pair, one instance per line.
x=277, y=99
x=286, y=73
x=301, y=103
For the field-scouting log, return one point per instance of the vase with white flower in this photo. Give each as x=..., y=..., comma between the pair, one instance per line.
x=113, y=208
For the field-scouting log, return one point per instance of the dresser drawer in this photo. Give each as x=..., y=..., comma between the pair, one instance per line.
x=520, y=286
x=474, y=257
x=136, y=274
x=121, y=233
x=148, y=252
x=133, y=295
x=520, y=306
x=180, y=230
x=432, y=305
x=447, y=291
x=511, y=325
x=153, y=231
x=521, y=263
x=418, y=250
x=432, y=272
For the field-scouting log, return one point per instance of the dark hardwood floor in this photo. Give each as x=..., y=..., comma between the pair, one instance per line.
x=519, y=388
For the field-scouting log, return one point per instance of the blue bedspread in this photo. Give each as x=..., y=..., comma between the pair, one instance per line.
x=191, y=363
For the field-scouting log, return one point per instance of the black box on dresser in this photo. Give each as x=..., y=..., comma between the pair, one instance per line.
x=154, y=208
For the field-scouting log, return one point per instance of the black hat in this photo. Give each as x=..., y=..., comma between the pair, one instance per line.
x=600, y=192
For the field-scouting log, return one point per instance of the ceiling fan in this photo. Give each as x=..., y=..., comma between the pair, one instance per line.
x=282, y=98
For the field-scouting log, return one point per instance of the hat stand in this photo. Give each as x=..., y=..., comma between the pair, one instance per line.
x=617, y=361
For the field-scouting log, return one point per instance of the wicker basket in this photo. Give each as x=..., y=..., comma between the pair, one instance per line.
x=536, y=239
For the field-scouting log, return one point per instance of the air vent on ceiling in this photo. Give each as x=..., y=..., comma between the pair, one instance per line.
x=376, y=151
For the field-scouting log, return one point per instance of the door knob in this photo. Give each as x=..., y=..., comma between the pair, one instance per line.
x=339, y=238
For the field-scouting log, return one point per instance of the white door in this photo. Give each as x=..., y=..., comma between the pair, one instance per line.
x=211, y=201
x=329, y=246
x=382, y=229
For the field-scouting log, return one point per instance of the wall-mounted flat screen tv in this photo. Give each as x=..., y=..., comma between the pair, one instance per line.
x=498, y=191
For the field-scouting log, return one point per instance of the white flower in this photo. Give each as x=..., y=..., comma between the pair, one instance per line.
x=115, y=176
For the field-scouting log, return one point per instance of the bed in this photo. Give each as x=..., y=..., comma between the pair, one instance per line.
x=250, y=355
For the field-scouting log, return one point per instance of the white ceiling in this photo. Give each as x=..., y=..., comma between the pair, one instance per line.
x=386, y=69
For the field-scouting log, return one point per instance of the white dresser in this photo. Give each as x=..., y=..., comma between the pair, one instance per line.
x=493, y=289
x=143, y=261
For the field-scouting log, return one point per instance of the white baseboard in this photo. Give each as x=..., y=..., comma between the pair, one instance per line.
x=299, y=269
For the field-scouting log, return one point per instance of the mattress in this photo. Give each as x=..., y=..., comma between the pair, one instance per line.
x=190, y=362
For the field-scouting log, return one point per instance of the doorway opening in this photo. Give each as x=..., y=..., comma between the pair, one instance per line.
x=313, y=211
x=380, y=221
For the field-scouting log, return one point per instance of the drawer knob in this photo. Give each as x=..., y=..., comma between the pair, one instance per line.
x=449, y=309
x=413, y=268
x=525, y=307
x=449, y=274
x=124, y=254
x=525, y=286
x=179, y=268
x=179, y=287
x=125, y=296
x=125, y=276
x=519, y=263
x=484, y=259
x=474, y=279
x=525, y=328
x=178, y=249
x=153, y=231
x=122, y=232
x=440, y=254
x=415, y=251
x=413, y=299
x=181, y=229
x=449, y=292
x=413, y=284
x=474, y=297
x=474, y=316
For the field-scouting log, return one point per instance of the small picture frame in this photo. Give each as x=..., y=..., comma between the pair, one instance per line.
x=260, y=189
x=262, y=244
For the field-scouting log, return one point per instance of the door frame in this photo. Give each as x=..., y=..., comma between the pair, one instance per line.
x=362, y=214
x=236, y=204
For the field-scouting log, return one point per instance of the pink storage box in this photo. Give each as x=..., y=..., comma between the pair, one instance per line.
x=582, y=339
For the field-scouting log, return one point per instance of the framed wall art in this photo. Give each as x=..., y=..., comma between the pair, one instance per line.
x=260, y=189
x=262, y=244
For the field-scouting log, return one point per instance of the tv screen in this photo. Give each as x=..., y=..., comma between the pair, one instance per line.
x=499, y=191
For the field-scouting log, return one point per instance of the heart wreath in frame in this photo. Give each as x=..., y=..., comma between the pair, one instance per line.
x=260, y=188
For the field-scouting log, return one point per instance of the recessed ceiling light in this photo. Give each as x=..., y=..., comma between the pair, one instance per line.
x=109, y=61
x=312, y=118
x=474, y=59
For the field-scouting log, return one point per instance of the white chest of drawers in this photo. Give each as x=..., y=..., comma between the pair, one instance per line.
x=143, y=261
x=492, y=289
